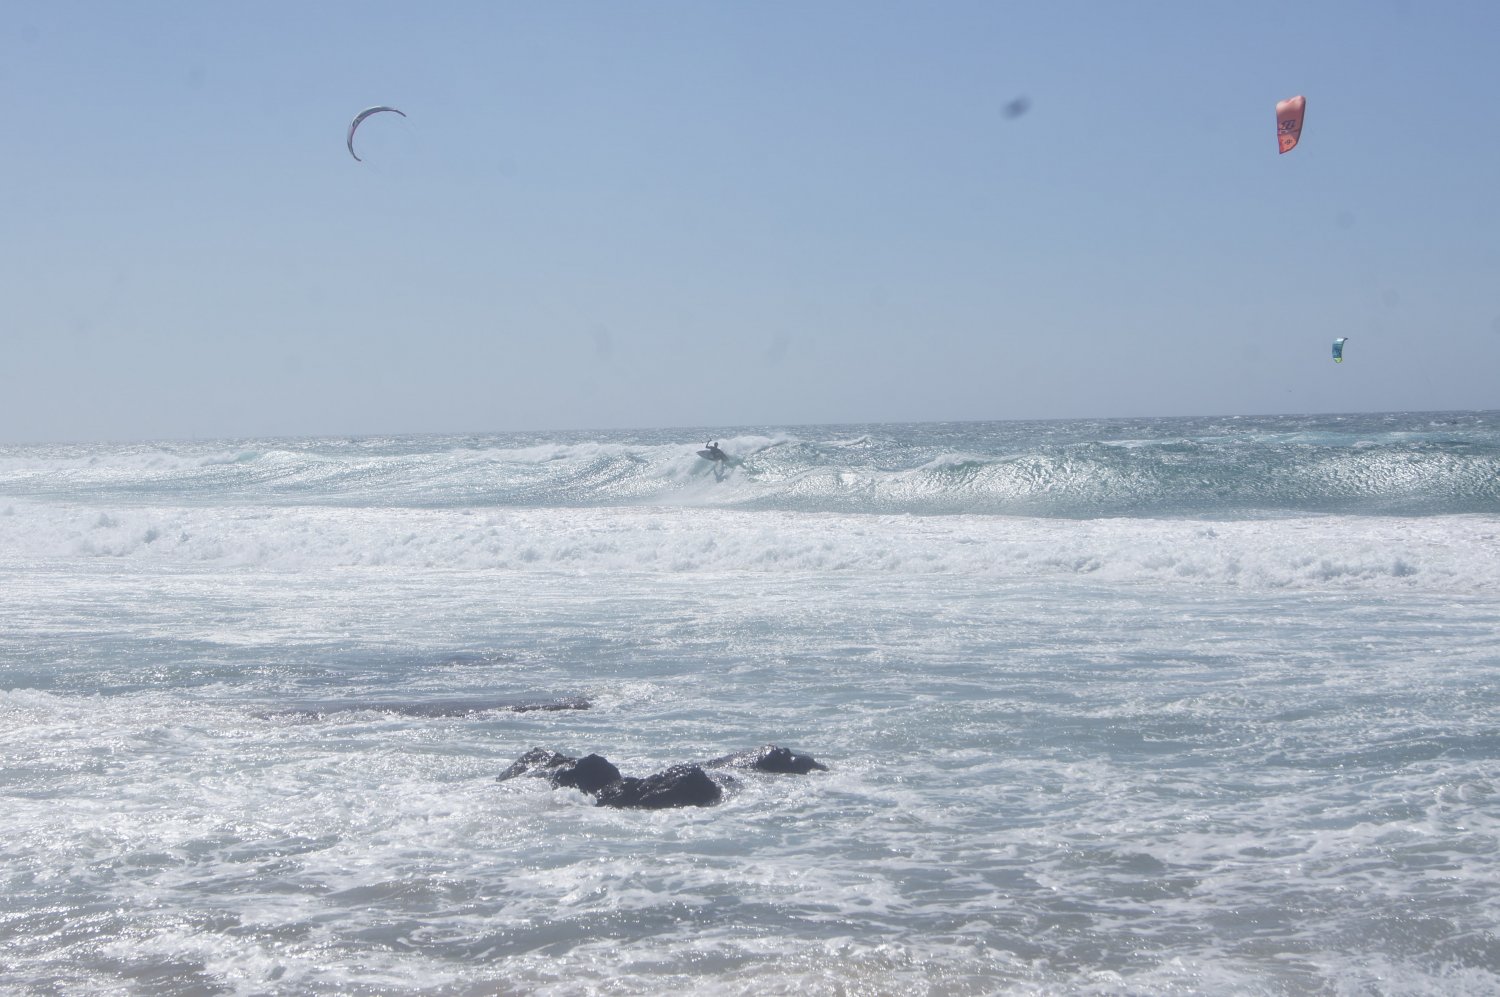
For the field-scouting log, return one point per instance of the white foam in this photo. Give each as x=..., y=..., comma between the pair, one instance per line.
x=1458, y=554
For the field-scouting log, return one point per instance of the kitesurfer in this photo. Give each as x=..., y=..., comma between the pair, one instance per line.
x=719, y=458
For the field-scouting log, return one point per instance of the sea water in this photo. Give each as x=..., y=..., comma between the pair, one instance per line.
x=1149, y=706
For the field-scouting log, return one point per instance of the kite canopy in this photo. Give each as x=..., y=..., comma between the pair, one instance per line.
x=362, y=115
x=1338, y=349
x=1289, y=114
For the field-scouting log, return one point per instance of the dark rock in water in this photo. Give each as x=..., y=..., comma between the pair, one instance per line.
x=590, y=774
x=678, y=786
x=770, y=758
x=536, y=762
x=463, y=707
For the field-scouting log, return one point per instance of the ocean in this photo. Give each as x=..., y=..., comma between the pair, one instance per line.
x=1134, y=706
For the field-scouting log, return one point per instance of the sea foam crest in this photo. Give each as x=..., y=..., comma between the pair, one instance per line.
x=1457, y=554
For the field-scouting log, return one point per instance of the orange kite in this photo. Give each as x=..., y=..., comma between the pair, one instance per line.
x=1289, y=114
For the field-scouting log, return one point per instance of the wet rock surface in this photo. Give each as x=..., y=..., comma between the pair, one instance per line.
x=678, y=786
x=770, y=758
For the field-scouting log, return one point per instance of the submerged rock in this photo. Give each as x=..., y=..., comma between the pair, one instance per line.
x=432, y=707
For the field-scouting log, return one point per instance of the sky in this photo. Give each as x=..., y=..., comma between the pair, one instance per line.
x=607, y=215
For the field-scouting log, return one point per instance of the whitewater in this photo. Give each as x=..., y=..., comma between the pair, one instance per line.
x=1135, y=706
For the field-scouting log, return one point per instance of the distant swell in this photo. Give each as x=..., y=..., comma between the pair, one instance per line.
x=1370, y=465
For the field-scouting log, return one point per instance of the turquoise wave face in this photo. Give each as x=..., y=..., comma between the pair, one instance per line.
x=1384, y=464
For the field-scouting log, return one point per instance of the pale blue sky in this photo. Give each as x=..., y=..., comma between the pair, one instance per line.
x=632, y=214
